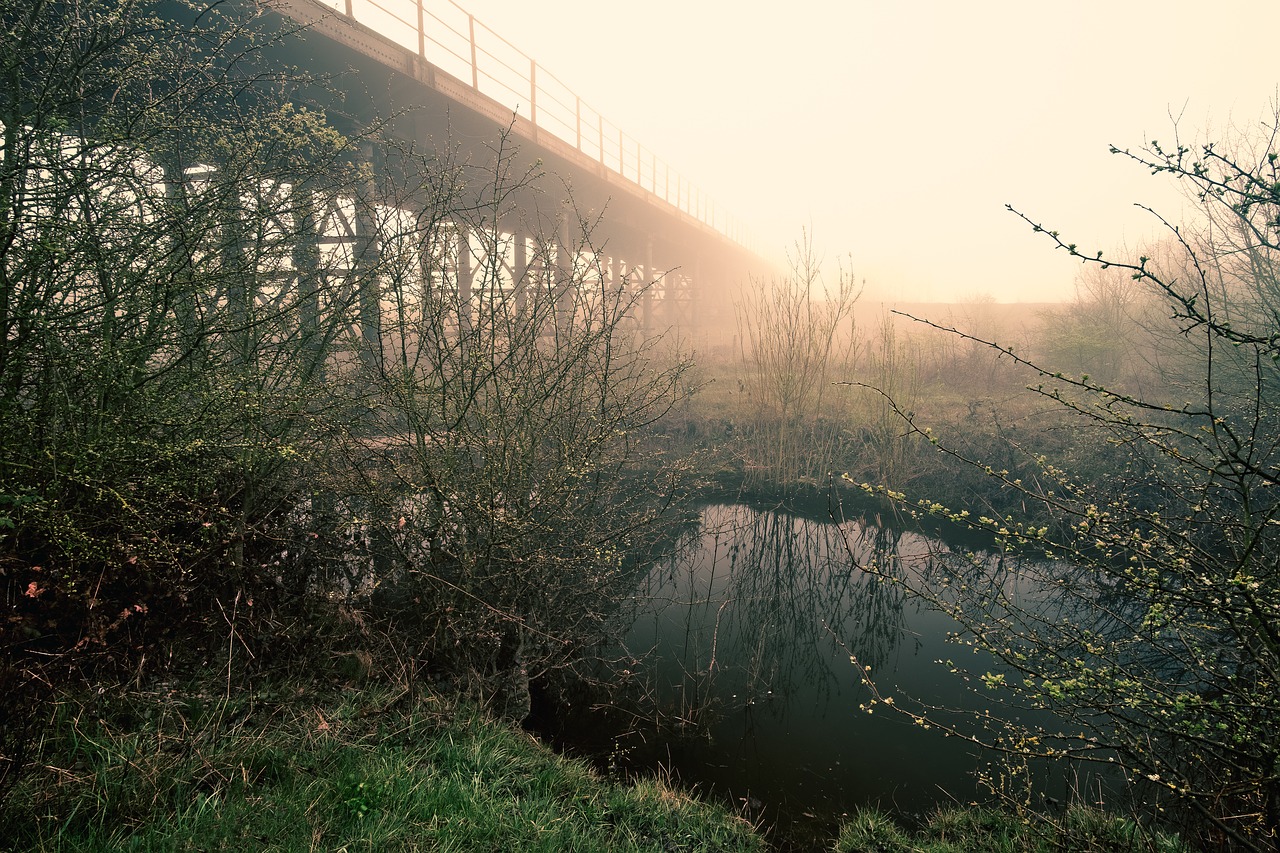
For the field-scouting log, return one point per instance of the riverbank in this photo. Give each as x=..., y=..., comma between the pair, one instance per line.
x=375, y=769
x=294, y=767
x=307, y=767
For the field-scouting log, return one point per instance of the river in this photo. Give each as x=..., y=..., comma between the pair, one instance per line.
x=750, y=638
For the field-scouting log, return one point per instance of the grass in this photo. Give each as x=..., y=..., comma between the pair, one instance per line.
x=981, y=830
x=367, y=771
x=384, y=770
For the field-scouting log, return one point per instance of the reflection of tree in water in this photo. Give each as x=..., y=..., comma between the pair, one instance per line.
x=1049, y=608
x=758, y=604
x=747, y=633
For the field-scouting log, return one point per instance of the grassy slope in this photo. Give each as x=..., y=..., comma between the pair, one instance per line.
x=366, y=771
x=375, y=770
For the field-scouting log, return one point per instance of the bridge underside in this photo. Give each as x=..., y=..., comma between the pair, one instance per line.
x=538, y=197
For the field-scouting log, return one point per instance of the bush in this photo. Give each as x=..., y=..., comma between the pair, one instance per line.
x=255, y=394
x=1143, y=612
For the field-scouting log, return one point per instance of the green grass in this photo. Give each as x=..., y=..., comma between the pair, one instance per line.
x=980, y=830
x=363, y=772
x=382, y=770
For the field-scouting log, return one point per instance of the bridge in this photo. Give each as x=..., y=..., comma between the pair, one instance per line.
x=435, y=76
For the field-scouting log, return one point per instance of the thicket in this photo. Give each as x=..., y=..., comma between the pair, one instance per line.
x=1135, y=595
x=818, y=383
x=276, y=396
x=795, y=336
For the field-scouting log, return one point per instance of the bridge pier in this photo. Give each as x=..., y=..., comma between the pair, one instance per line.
x=465, y=277
x=367, y=256
x=650, y=283
x=307, y=278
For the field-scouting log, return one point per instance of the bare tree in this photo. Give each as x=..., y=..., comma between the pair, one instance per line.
x=1100, y=332
x=797, y=333
x=1142, y=610
x=246, y=371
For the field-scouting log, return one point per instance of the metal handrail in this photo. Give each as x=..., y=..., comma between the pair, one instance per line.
x=452, y=39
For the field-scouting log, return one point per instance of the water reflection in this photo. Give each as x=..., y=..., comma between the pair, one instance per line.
x=749, y=631
x=758, y=602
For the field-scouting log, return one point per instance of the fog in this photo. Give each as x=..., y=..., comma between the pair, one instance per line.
x=897, y=132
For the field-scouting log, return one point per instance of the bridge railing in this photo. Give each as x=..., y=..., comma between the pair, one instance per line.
x=452, y=39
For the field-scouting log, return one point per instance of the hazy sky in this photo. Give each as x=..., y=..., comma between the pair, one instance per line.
x=897, y=131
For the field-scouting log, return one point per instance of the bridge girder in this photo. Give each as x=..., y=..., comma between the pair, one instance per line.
x=412, y=102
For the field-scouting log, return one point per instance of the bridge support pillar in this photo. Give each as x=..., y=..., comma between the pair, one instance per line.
x=366, y=261
x=649, y=283
x=308, y=281
x=563, y=278
x=520, y=271
x=618, y=285
x=466, y=277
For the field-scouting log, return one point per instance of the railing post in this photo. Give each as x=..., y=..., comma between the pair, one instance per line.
x=350, y=14
x=471, y=34
x=577, y=118
x=422, y=32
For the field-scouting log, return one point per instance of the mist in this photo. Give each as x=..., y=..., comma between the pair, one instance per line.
x=897, y=133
